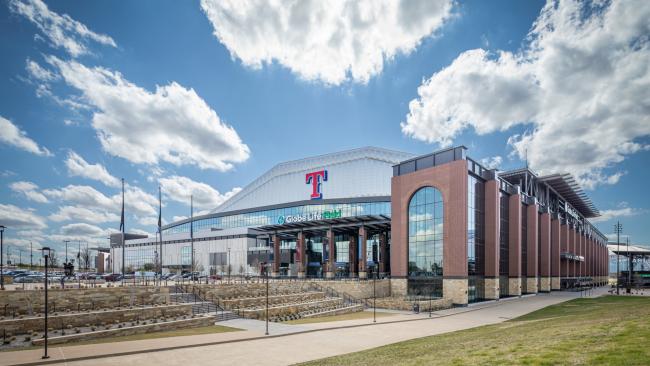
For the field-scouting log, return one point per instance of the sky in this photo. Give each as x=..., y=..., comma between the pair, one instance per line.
x=202, y=97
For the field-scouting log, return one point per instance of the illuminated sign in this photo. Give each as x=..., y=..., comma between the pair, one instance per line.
x=316, y=180
x=325, y=215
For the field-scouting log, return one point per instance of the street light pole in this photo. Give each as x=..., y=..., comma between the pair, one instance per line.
x=374, y=297
x=618, y=228
x=266, y=270
x=46, y=254
x=31, y=256
x=2, y=270
x=630, y=266
x=66, y=250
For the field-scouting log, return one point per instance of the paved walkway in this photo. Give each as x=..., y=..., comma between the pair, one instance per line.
x=291, y=344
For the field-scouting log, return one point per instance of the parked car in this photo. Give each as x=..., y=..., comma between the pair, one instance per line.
x=30, y=279
x=112, y=277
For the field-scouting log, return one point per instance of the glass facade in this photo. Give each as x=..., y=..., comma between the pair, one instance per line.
x=272, y=217
x=504, y=243
x=475, y=237
x=425, y=233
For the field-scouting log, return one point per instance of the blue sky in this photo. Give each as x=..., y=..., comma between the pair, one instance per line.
x=257, y=85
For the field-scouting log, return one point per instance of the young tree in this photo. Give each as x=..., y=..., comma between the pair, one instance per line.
x=53, y=259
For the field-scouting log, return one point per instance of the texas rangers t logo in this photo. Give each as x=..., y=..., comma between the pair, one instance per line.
x=316, y=179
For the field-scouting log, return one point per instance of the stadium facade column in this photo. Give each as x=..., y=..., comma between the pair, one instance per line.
x=353, y=255
x=555, y=253
x=564, y=248
x=302, y=261
x=275, y=272
x=572, y=249
x=492, y=250
x=545, y=251
x=581, y=250
x=363, y=252
x=514, y=245
x=532, y=248
x=331, y=259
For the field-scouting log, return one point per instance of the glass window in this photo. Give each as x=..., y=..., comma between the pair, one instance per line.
x=425, y=233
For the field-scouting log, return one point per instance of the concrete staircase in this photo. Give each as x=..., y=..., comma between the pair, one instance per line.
x=200, y=306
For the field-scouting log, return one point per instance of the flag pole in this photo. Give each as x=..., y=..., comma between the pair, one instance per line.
x=123, y=230
x=160, y=229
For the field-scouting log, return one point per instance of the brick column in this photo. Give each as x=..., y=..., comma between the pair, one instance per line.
x=545, y=254
x=572, y=250
x=353, y=255
x=331, y=259
x=383, y=252
x=514, y=245
x=492, y=239
x=564, y=247
x=275, y=271
x=582, y=264
x=532, y=248
x=363, y=245
x=555, y=254
x=300, y=251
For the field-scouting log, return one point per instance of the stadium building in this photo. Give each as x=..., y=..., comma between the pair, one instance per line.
x=440, y=224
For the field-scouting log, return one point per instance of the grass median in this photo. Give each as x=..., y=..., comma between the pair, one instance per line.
x=608, y=330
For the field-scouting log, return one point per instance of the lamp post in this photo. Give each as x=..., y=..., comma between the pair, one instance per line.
x=266, y=273
x=31, y=256
x=66, y=250
x=374, y=297
x=618, y=228
x=630, y=267
x=46, y=255
x=2, y=270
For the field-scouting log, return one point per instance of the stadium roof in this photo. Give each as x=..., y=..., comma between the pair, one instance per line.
x=570, y=190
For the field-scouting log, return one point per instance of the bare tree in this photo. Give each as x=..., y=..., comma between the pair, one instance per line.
x=53, y=259
x=84, y=257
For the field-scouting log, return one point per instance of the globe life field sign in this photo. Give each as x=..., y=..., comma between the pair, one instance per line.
x=325, y=215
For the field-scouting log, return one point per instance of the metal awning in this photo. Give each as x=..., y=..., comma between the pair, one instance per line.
x=338, y=225
x=570, y=190
x=624, y=249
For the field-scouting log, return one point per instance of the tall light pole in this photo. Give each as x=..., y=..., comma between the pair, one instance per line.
x=192, y=236
x=46, y=255
x=630, y=266
x=266, y=273
x=66, y=250
x=618, y=228
x=31, y=256
x=160, y=229
x=2, y=270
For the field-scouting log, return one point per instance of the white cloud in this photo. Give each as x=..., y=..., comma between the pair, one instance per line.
x=61, y=30
x=78, y=213
x=179, y=218
x=12, y=135
x=37, y=72
x=493, y=162
x=617, y=213
x=30, y=190
x=581, y=85
x=77, y=166
x=81, y=229
x=330, y=41
x=18, y=218
x=137, y=201
x=172, y=124
x=179, y=189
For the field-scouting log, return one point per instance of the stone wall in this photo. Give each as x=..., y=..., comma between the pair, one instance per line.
x=55, y=321
x=32, y=301
x=140, y=329
x=290, y=309
x=455, y=290
x=273, y=300
x=398, y=287
x=358, y=289
x=399, y=303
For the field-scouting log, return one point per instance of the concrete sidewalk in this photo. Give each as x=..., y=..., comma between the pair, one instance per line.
x=289, y=344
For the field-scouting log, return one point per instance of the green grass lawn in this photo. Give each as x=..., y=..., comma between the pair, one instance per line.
x=135, y=337
x=604, y=331
x=335, y=318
